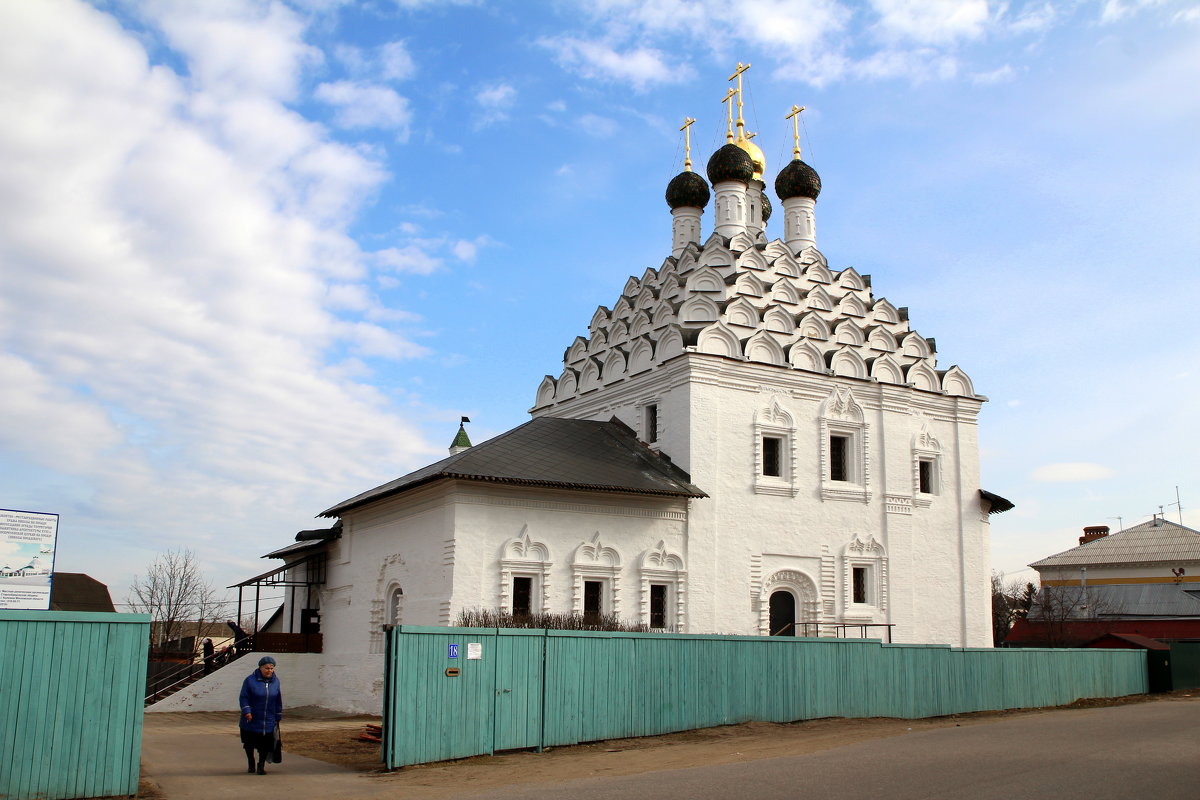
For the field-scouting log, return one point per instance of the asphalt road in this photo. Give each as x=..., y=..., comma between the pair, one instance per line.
x=1145, y=750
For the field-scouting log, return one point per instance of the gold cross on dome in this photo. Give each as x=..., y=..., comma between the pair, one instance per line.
x=795, y=118
x=725, y=99
x=687, y=142
x=737, y=73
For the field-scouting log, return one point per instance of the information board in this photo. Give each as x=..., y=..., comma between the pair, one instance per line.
x=27, y=541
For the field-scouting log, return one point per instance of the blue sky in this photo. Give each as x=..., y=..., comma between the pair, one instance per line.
x=258, y=257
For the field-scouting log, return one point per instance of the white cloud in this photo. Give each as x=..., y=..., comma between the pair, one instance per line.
x=388, y=62
x=237, y=48
x=465, y=251
x=1000, y=75
x=396, y=62
x=169, y=331
x=930, y=21
x=1071, y=472
x=494, y=102
x=916, y=65
x=598, y=126
x=499, y=95
x=812, y=41
x=1117, y=10
x=468, y=251
x=414, y=258
x=639, y=67
x=366, y=106
x=1035, y=19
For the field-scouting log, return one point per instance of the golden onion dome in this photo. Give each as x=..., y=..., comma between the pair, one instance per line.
x=756, y=155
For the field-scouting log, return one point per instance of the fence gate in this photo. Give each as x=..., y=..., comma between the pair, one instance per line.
x=461, y=692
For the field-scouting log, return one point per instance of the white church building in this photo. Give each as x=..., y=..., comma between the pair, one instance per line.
x=745, y=441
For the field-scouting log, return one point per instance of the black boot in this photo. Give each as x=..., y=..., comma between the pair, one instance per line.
x=262, y=763
x=249, y=760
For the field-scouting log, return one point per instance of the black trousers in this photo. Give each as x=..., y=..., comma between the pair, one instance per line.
x=264, y=743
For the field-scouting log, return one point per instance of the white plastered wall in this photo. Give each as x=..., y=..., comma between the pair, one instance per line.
x=931, y=577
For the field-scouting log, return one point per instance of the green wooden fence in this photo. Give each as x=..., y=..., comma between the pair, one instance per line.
x=71, y=688
x=537, y=688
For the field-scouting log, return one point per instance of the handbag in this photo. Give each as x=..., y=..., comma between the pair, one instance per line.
x=277, y=753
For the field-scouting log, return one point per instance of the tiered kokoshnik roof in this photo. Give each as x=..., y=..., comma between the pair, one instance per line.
x=756, y=303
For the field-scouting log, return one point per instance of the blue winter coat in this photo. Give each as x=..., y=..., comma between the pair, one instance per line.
x=262, y=699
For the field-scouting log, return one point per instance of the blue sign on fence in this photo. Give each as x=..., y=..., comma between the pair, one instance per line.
x=453, y=651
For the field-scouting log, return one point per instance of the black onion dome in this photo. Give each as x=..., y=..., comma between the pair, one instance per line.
x=798, y=179
x=687, y=189
x=730, y=163
x=766, y=207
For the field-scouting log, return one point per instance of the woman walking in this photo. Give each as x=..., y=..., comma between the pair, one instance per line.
x=262, y=708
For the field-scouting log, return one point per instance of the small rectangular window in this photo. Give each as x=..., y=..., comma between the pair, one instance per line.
x=593, y=594
x=925, y=476
x=839, y=448
x=772, y=456
x=522, y=597
x=860, y=584
x=651, y=427
x=658, y=605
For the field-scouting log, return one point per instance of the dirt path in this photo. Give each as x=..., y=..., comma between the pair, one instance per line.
x=622, y=757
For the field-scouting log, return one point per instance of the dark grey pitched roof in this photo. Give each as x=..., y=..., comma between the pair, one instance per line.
x=1119, y=601
x=553, y=452
x=75, y=591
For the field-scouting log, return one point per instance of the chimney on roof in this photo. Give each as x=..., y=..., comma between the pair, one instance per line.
x=1093, y=532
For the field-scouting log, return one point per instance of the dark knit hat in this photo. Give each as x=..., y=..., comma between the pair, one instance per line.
x=266, y=660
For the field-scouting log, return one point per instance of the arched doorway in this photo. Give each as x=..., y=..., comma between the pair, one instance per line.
x=395, y=605
x=783, y=613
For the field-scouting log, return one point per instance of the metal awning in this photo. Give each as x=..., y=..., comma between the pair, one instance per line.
x=996, y=503
x=314, y=571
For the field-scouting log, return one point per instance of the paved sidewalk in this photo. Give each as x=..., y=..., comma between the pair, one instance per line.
x=199, y=756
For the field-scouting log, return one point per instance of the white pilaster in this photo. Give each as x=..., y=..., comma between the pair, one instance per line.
x=732, y=205
x=799, y=223
x=685, y=228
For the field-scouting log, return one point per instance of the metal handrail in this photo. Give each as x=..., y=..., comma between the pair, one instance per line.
x=174, y=679
x=839, y=628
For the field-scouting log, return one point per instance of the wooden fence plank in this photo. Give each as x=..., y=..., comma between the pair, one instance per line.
x=72, y=683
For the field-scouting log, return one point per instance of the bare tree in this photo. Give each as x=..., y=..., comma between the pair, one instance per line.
x=1010, y=602
x=1058, y=610
x=173, y=592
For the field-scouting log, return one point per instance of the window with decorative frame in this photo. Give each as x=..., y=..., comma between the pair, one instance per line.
x=663, y=588
x=524, y=575
x=774, y=450
x=596, y=578
x=926, y=466
x=864, y=580
x=844, y=468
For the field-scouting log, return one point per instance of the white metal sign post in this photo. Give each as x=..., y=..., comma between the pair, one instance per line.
x=27, y=542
